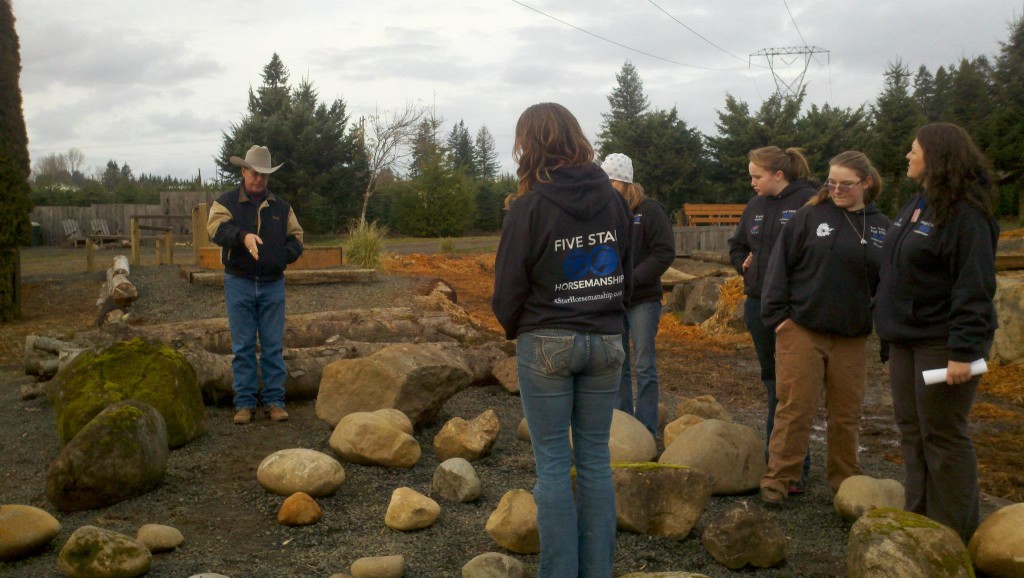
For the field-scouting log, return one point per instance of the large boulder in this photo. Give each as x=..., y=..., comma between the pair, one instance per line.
x=659, y=500
x=286, y=472
x=416, y=379
x=629, y=440
x=120, y=454
x=506, y=372
x=374, y=439
x=701, y=300
x=513, y=523
x=997, y=547
x=705, y=406
x=469, y=440
x=1008, y=342
x=732, y=454
x=141, y=370
x=24, y=529
x=860, y=494
x=743, y=534
x=678, y=426
x=887, y=542
x=94, y=552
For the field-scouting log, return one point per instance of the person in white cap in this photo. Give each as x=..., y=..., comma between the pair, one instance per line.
x=654, y=250
x=259, y=236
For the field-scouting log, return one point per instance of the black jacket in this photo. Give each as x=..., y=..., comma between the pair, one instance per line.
x=654, y=250
x=939, y=282
x=760, y=225
x=820, y=275
x=564, y=259
x=234, y=215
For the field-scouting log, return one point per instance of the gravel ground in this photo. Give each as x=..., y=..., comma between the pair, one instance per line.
x=211, y=494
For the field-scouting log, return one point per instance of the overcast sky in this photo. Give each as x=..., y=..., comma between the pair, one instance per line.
x=154, y=84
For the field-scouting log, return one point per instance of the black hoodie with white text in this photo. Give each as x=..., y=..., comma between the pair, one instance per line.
x=564, y=259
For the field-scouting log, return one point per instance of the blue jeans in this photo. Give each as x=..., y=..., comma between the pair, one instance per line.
x=642, y=326
x=764, y=345
x=568, y=378
x=256, y=310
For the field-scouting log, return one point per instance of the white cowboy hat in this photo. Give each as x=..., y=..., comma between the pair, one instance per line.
x=257, y=158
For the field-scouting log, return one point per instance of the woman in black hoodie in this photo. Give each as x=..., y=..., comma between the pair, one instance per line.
x=781, y=181
x=935, y=307
x=817, y=296
x=561, y=276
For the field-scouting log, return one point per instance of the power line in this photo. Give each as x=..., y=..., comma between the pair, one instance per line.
x=619, y=44
x=695, y=33
x=786, y=4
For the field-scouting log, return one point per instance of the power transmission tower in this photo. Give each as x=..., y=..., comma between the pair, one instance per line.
x=789, y=58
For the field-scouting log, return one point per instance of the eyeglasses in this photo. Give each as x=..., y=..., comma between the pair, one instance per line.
x=842, y=188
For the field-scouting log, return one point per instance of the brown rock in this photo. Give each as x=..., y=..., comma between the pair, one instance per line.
x=298, y=509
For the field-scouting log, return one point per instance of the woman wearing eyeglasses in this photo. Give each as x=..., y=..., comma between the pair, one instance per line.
x=935, y=306
x=817, y=296
x=781, y=181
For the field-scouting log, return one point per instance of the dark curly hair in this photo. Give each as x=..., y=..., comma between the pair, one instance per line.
x=954, y=170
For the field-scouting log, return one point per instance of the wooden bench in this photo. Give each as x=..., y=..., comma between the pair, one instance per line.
x=712, y=214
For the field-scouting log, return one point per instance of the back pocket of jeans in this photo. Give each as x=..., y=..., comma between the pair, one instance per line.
x=613, y=349
x=554, y=353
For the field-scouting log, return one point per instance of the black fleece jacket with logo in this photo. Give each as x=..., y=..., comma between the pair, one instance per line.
x=760, y=225
x=938, y=282
x=821, y=275
x=654, y=249
x=564, y=259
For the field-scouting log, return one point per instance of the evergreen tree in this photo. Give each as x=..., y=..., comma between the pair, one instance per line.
x=628, y=102
x=426, y=144
x=325, y=164
x=969, y=100
x=437, y=202
x=895, y=118
x=827, y=131
x=485, y=155
x=14, y=168
x=926, y=94
x=1006, y=122
x=669, y=159
x=460, y=149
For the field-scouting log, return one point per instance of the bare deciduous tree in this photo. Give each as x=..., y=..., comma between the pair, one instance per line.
x=387, y=137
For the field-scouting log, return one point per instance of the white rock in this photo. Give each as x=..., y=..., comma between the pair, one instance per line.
x=860, y=494
x=456, y=480
x=367, y=438
x=410, y=510
x=288, y=471
x=159, y=538
x=493, y=565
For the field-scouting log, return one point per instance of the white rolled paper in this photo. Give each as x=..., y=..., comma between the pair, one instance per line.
x=933, y=376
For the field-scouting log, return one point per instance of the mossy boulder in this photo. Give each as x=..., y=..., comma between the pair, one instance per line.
x=890, y=542
x=140, y=369
x=659, y=499
x=120, y=454
x=92, y=551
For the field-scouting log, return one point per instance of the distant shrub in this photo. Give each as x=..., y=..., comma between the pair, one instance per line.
x=365, y=244
x=447, y=245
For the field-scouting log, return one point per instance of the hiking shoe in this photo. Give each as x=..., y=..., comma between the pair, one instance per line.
x=797, y=488
x=772, y=498
x=276, y=413
x=243, y=416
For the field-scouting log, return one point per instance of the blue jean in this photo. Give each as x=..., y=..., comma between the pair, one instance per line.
x=641, y=328
x=764, y=345
x=568, y=378
x=256, y=311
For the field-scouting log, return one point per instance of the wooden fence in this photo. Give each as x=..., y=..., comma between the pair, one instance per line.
x=118, y=217
x=707, y=239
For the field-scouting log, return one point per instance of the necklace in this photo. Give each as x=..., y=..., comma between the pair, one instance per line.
x=864, y=227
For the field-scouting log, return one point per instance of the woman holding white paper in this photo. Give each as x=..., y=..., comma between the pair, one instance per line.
x=934, y=306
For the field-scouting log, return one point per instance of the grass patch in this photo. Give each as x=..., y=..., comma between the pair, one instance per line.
x=365, y=244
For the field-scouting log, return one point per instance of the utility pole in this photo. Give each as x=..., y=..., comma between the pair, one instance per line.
x=788, y=58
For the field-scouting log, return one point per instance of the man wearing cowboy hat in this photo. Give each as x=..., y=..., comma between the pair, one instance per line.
x=259, y=236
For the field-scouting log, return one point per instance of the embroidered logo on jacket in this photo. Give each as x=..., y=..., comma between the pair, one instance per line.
x=824, y=230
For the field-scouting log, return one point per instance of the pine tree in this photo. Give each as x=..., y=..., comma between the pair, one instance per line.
x=485, y=155
x=325, y=164
x=14, y=168
x=628, y=102
x=460, y=149
x=926, y=94
x=1006, y=122
x=895, y=118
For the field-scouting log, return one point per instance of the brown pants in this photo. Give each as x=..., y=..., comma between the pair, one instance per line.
x=805, y=359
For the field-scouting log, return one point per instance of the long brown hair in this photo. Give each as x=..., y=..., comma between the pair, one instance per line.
x=634, y=194
x=791, y=161
x=859, y=163
x=548, y=136
x=954, y=170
